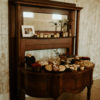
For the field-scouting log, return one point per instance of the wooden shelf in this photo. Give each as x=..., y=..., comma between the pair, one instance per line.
x=47, y=38
x=38, y=44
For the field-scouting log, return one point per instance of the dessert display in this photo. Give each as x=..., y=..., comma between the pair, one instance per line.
x=52, y=35
x=59, y=64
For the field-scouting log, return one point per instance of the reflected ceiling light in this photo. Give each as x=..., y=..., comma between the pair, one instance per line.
x=28, y=14
x=56, y=16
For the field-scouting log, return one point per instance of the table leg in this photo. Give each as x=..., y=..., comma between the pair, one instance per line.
x=88, y=92
x=55, y=98
x=21, y=95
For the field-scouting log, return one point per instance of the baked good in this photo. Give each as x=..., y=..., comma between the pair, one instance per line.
x=82, y=68
x=67, y=66
x=48, y=67
x=62, y=68
x=55, y=68
x=43, y=62
x=71, y=67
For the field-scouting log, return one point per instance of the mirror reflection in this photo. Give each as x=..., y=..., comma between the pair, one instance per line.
x=46, y=22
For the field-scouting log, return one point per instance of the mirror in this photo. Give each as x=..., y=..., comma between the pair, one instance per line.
x=46, y=22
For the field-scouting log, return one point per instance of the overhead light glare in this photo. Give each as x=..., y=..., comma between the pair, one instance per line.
x=56, y=17
x=28, y=14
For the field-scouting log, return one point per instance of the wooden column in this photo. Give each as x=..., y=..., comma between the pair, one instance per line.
x=73, y=31
x=12, y=53
x=18, y=32
x=77, y=31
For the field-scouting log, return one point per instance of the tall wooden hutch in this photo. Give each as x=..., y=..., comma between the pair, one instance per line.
x=43, y=84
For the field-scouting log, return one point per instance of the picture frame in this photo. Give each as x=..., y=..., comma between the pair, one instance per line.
x=28, y=31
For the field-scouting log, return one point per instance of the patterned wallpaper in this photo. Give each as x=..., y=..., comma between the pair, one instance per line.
x=4, y=69
x=90, y=32
x=88, y=39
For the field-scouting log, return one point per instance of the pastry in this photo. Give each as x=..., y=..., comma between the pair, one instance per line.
x=58, y=35
x=77, y=57
x=49, y=35
x=72, y=68
x=67, y=66
x=48, y=67
x=38, y=36
x=87, y=63
x=55, y=68
x=64, y=35
x=82, y=68
x=45, y=36
x=55, y=36
x=54, y=61
x=41, y=35
x=62, y=68
x=43, y=62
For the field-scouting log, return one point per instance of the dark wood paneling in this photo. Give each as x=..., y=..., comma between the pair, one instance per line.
x=77, y=32
x=44, y=10
x=36, y=44
x=49, y=4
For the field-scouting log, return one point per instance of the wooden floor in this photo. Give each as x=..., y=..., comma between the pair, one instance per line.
x=95, y=94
